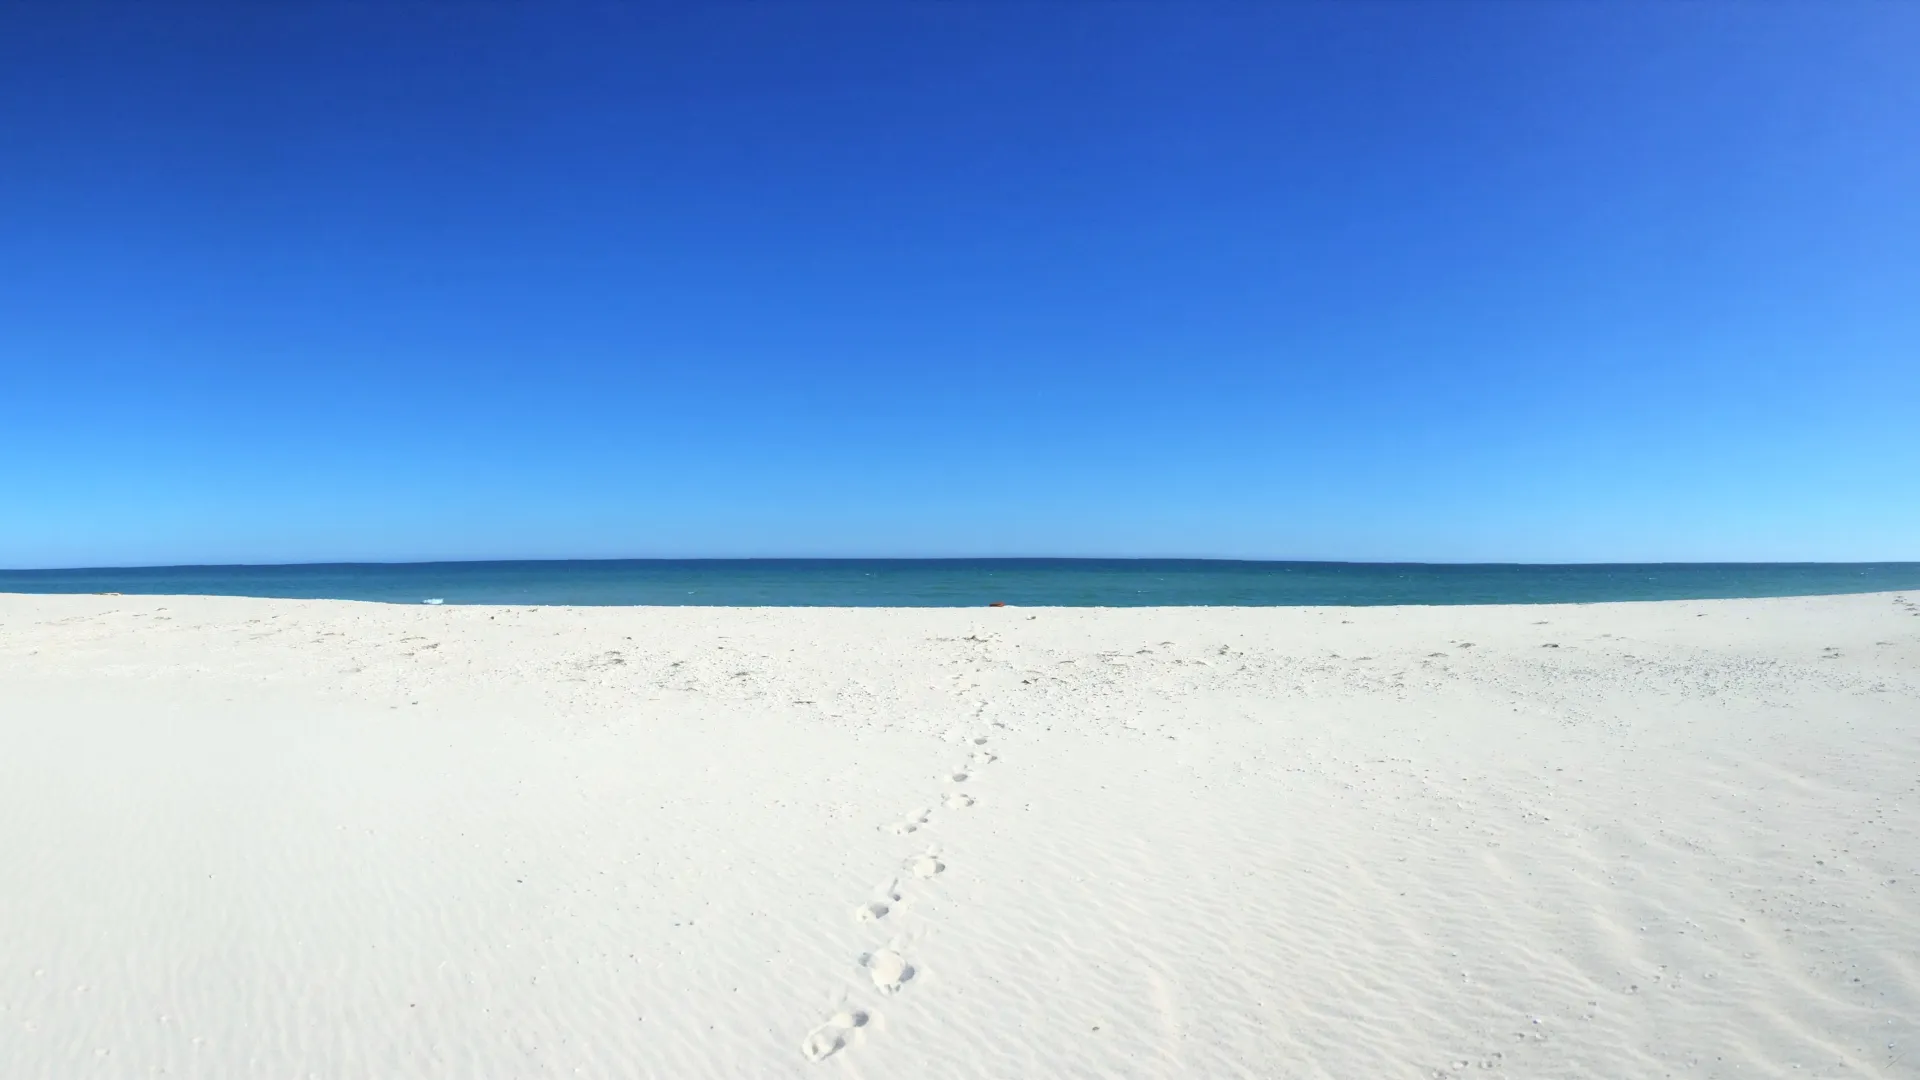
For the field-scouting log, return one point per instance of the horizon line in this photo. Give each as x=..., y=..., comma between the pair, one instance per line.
x=947, y=559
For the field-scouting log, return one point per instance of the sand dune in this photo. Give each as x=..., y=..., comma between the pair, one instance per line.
x=287, y=838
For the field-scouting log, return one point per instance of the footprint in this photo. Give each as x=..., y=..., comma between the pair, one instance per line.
x=959, y=776
x=827, y=1039
x=912, y=823
x=884, y=897
x=889, y=970
x=985, y=757
x=959, y=800
x=979, y=740
x=926, y=865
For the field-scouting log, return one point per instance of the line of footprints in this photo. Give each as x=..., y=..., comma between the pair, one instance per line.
x=889, y=970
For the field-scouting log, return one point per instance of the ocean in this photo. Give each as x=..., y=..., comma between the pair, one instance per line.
x=973, y=582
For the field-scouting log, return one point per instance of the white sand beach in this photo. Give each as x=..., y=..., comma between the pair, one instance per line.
x=267, y=838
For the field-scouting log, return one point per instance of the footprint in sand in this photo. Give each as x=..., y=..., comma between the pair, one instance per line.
x=884, y=897
x=959, y=800
x=958, y=776
x=889, y=970
x=912, y=823
x=827, y=1039
x=927, y=865
x=985, y=757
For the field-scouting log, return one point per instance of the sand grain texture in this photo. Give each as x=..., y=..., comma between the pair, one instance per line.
x=312, y=838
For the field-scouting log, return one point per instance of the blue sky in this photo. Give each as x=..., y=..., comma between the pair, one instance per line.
x=1534, y=282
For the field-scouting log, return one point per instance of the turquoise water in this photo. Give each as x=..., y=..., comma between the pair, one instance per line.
x=968, y=582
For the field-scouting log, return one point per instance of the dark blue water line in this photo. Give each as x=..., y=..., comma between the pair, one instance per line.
x=969, y=582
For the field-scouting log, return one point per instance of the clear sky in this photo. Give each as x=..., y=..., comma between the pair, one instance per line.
x=1505, y=281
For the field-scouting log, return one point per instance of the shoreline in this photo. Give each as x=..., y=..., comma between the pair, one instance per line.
x=980, y=607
